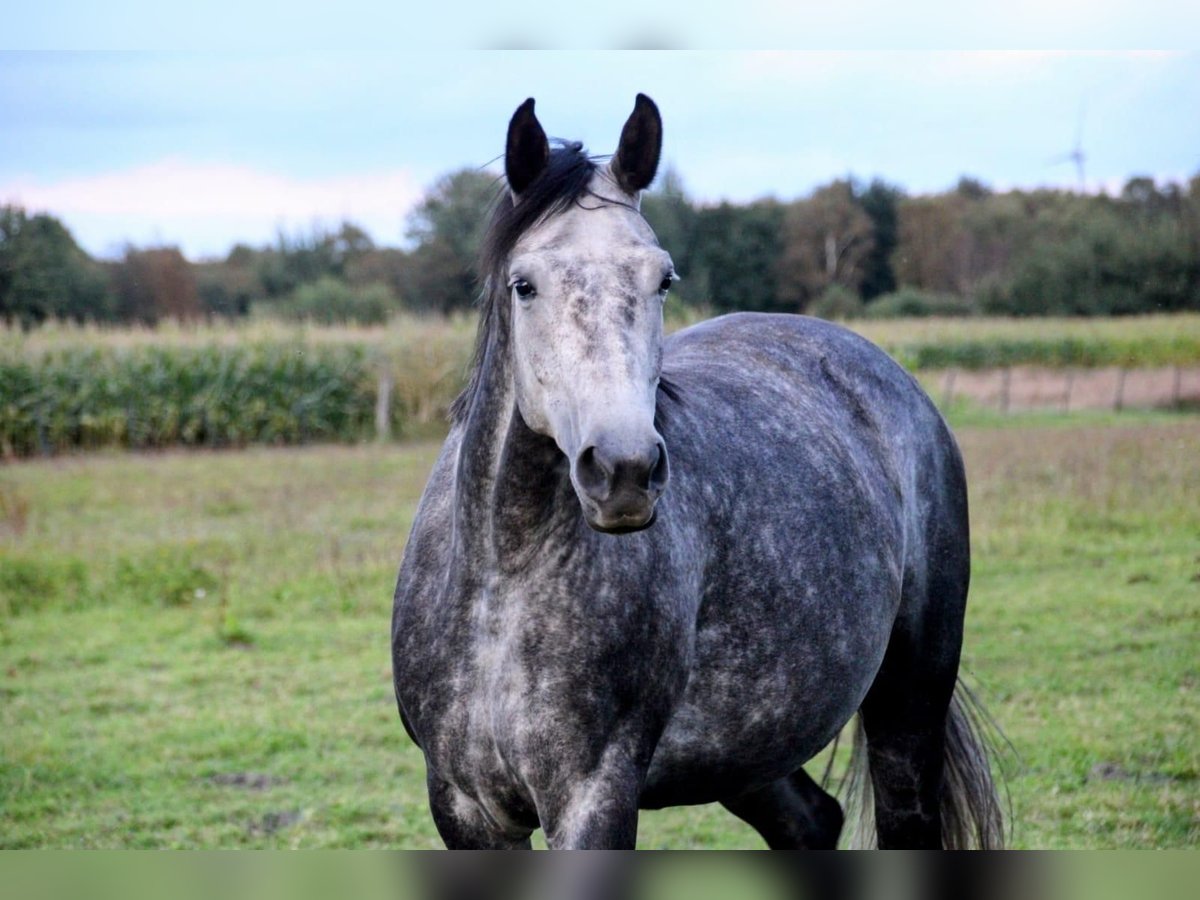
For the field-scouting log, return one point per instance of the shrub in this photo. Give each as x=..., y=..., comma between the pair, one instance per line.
x=837, y=302
x=916, y=304
x=1103, y=267
x=330, y=301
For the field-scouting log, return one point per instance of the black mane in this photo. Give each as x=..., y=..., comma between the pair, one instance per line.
x=563, y=182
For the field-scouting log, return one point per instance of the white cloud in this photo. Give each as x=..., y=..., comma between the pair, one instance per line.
x=206, y=207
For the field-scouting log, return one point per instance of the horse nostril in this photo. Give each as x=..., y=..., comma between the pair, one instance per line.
x=660, y=471
x=605, y=475
x=591, y=472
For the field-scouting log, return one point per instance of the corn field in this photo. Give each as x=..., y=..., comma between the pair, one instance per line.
x=63, y=388
x=193, y=396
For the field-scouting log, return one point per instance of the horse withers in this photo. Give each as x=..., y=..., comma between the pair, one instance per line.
x=654, y=571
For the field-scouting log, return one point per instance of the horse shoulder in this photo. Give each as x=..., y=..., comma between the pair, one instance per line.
x=427, y=551
x=417, y=614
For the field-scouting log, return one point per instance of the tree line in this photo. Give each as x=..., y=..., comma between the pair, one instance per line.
x=847, y=249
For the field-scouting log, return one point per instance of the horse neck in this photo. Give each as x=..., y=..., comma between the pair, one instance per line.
x=507, y=475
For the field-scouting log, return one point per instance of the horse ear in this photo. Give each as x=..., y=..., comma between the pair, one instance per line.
x=637, y=155
x=527, y=149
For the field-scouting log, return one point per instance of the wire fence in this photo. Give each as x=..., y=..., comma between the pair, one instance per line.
x=1021, y=388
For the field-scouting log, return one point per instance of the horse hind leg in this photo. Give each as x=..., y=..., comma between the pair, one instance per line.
x=793, y=813
x=928, y=767
x=905, y=745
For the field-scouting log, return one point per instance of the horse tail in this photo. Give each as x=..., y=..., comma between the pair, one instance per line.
x=972, y=814
x=971, y=810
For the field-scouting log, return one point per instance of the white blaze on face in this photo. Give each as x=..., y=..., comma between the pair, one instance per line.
x=587, y=295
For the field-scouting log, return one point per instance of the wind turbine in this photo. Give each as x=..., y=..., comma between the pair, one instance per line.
x=1076, y=156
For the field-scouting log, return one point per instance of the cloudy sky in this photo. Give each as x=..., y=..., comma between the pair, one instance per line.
x=202, y=149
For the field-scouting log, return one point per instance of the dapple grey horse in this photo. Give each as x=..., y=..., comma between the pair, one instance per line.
x=649, y=572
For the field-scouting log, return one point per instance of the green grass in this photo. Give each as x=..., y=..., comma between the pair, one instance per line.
x=194, y=646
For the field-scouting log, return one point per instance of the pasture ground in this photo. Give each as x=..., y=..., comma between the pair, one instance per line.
x=194, y=646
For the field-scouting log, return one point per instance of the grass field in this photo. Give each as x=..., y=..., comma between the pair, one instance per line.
x=194, y=646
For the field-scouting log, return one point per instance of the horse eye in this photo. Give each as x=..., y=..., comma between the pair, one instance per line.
x=524, y=289
x=665, y=285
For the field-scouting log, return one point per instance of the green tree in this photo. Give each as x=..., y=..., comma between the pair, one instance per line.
x=436, y=279
x=972, y=188
x=737, y=248
x=1141, y=195
x=955, y=242
x=382, y=265
x=447, y=228
x=44, y=274
x=455, y=211
x=305, y=258
x=826, y=240
x=1190, y=215
x=1094, y=256
x=226, y=289
x=879, y=201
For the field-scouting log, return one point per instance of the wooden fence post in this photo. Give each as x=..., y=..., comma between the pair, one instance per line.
x=383, y=407
x=1119, y=400
x=1067, y=391
x=948, y=388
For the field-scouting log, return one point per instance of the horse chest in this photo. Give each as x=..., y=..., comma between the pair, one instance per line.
x=533, y=688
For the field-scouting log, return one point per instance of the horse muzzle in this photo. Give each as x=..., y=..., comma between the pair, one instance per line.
x=618, y=485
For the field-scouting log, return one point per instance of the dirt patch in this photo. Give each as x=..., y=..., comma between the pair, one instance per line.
x=273, y=821
x=1032, y=387
x=1111, y=771
x=250, y=781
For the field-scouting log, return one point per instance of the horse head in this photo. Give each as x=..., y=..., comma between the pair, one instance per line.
x=586, y=287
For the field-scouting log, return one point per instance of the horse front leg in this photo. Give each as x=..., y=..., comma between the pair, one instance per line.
x=462, y=823
x=596, y=812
